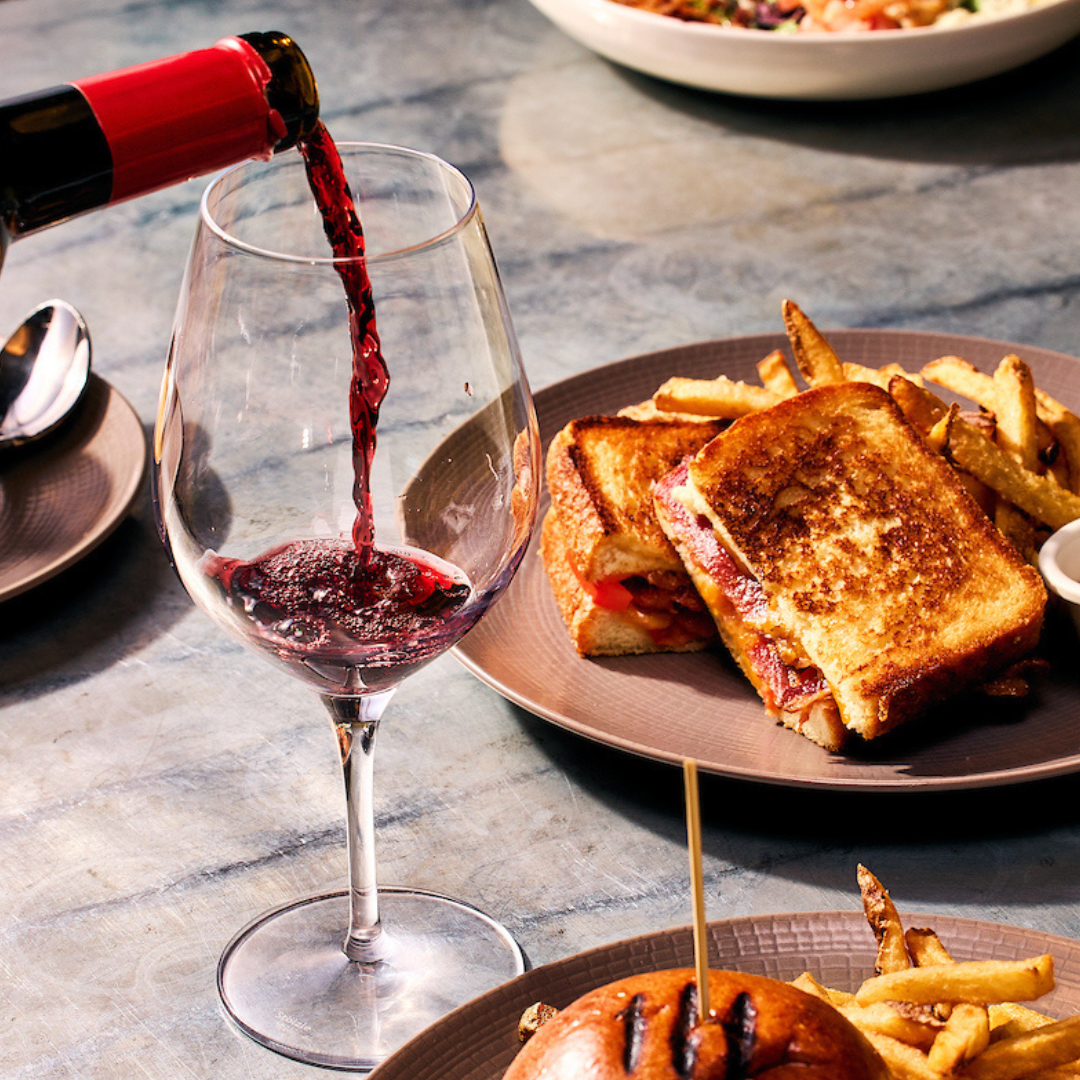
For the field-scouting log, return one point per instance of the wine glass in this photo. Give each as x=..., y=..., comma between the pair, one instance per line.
x=266, y=494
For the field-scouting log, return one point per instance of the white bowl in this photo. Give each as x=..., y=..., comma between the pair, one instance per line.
x=1059, y=563
x=814, y=66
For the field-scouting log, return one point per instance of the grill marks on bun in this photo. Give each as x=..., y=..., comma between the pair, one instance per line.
x=682, y=1038
x=740, y=1035
x=741, y=1031
x=634, y=1027
x=684, y=1047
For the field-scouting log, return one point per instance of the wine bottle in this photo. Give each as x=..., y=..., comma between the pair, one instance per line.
x=107, y=138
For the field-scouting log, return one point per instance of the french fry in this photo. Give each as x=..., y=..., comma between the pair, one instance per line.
x=904, y=1062
x=1017, y=422
x=1039, y=496
x=892, y=954
x=1018, y=529
x=982, y=494
x=647, y=411
x=776, y=375
x=1055, y=424
x=1012, y=1018
x=966, y=1034
x=914, y=1025
x=1029, y=1053
x=942, y=1020
x=534, y=1018
x=1017, y=452
x=922, y=408
x=721, y=398
x=1036, y=495
x=809, y=985
x=819, y=364
x=925, y=947
x=964, y=378
x=978, y=981
x=987, y=424
x=878, y=376
x=1017, y=435
x=937, y=438
x=1066, y=428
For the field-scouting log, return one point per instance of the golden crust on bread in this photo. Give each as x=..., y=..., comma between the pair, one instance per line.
x=646, y=1027
x=600, y=471
x=870, y=551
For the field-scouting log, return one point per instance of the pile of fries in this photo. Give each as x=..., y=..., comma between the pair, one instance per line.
x=1017, y=449
x=930, y=1017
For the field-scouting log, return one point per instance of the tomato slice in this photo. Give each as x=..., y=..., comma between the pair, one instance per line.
x=610, y=594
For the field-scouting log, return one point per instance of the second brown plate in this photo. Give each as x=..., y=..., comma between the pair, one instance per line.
x=59, y=499
x=478, y=1040
x=670, y=707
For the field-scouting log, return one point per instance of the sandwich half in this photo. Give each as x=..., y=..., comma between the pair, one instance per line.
x=849, y=571
x=619, y=583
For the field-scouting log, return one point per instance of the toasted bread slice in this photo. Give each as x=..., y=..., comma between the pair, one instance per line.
x=600, y=471
x=620, y=585
x=800, y=700
x=873, y=560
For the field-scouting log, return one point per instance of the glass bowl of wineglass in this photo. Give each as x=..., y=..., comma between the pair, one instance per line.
x=345, y=478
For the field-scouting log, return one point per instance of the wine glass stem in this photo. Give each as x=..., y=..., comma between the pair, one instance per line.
x=356, y=720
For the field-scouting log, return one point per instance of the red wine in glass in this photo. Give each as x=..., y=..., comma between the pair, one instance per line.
x=314, y=605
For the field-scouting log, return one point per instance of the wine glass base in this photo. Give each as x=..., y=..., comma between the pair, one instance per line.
x=287, y=983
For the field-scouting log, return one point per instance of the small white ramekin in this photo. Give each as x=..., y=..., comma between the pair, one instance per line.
x=1059, y=563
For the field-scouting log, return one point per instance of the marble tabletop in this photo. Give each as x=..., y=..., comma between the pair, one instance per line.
x=158, y=788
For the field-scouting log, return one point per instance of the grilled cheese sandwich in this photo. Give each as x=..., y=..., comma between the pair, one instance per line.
x=849, y=571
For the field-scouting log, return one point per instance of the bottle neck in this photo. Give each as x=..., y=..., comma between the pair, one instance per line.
x=291, y=92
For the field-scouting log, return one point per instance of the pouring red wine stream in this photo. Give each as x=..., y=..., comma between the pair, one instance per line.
x=370, y=376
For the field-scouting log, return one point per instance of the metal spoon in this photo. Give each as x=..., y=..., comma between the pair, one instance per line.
x=44, y=369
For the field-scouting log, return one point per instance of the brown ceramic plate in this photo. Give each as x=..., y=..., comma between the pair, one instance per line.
x=478, y=1040
x=699, y=705
x=60, y=498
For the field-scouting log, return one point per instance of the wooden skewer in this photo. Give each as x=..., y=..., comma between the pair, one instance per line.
x=697, y=884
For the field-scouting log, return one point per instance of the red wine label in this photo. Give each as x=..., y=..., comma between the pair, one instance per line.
x=174, y=119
